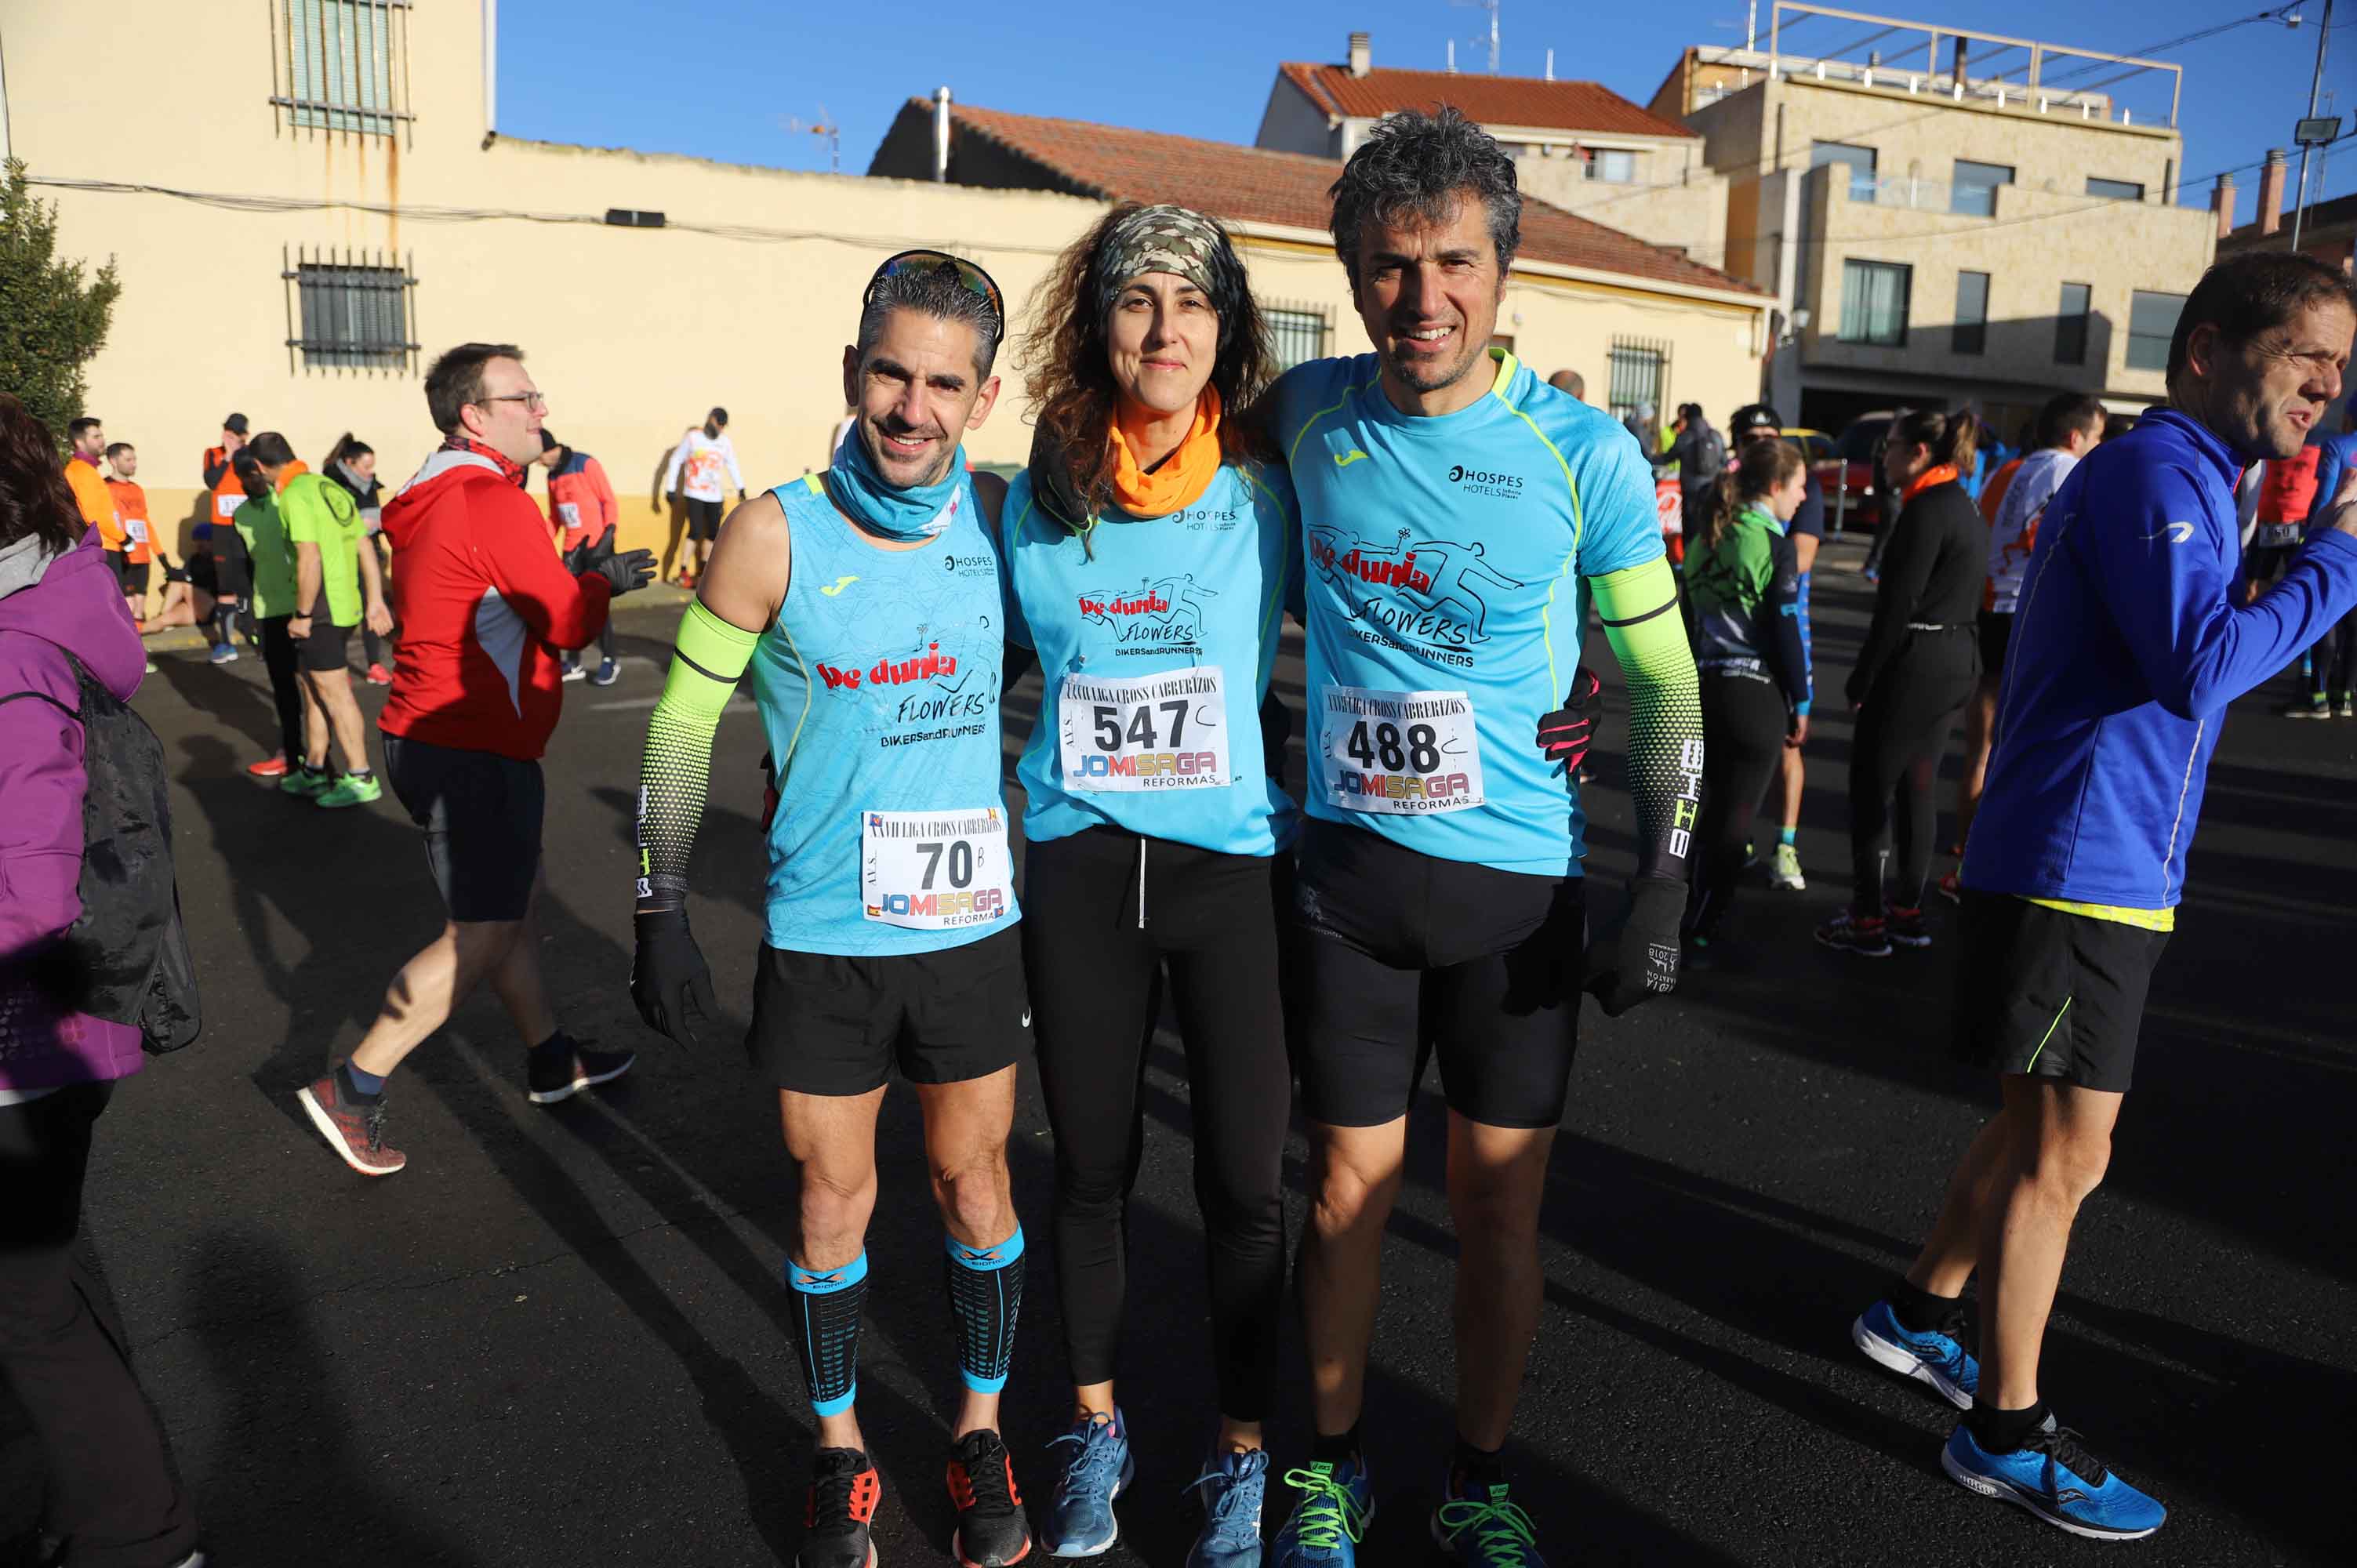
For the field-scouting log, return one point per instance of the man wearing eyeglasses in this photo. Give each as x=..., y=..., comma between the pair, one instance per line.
x=483, y=606
x=866, y=602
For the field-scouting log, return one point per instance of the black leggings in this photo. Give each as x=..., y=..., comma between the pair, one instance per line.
x=1743, y=730
x=280, y=656
x=1103, y=911
x=1896, y=756
x=369, y=643
x=2332, y=662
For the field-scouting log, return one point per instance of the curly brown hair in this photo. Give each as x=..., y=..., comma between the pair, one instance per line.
x=1069, y=374
x=33, y=496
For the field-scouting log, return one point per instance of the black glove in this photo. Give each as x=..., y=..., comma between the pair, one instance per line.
x=622, y=573
x=668, y=976
x=1566, y=733
x=1642, y=962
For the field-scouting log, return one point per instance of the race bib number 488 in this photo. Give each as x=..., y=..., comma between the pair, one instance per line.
x=935, y=871
x=1145, y=732
x=1398, y=752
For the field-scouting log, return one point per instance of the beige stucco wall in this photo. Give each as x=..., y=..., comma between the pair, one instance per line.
x=633, y=334
x=1685, y=213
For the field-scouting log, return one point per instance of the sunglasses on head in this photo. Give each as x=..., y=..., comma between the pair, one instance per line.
x=969, y=276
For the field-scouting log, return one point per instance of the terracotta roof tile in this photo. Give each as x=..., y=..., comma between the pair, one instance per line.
x=1254, y=185
x=1491, y=100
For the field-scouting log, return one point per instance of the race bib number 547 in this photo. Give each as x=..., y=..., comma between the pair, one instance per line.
x=1398, y=752
x=1145, y=732
x=935, y=871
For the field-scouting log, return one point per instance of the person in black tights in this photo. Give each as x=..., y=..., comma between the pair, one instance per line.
x=1913, y=675
x=1743, y=609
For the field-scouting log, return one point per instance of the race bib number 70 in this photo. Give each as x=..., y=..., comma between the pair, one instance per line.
x=935, y=871
x=1400, y=753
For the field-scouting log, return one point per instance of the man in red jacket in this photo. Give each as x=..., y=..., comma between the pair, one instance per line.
x=483, y=606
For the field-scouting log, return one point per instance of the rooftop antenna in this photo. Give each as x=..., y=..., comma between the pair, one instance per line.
x=818, y=127
x=1490, y=6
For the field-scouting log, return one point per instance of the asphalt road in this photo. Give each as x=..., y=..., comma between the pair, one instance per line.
x=555, y=1338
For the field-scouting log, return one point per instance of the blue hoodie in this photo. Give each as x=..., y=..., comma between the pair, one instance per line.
x=2127, y=647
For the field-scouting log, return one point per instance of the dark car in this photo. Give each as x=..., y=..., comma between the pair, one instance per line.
x=1851, y=477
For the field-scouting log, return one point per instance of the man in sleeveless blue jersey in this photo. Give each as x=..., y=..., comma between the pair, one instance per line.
x=2129, y=641
x=1457, y=515
x=867, y=603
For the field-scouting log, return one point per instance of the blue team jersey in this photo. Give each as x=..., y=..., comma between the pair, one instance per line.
x=879, y=688
x=1156, y=642
x=1443, y=601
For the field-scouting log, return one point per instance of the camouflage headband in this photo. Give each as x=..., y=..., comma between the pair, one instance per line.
x=1171, y=239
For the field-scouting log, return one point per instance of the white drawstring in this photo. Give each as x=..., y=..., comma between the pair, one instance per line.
x=1141, y=882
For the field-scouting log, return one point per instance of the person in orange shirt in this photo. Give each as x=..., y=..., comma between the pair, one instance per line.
x=221, y=554
x=132, y=562
x=582, y=512
x=88, y=438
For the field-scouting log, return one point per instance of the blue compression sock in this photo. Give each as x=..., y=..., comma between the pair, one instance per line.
x=985, y=1285
x=1786, y=835
x=366, y=1083
x=826, y=1330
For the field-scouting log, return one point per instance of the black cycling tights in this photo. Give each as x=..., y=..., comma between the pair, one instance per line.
x=1743, y=729
x=1100, y=922
x=1895, y=755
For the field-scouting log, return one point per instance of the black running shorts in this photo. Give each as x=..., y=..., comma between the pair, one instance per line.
x=1399, y=957
x=703, y=519
x=481, y=814
x=830, y=1024
x=233, y=567
x=327, y=647
x=133, y=574
x=1996, y=635
x=2051, y=993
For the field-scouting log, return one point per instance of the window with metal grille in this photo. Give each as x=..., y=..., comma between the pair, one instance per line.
x=1874, y=302
x=1971, y=333
x=2071, y=323
x=354, y=310
x=1640, y=373
x=2152, y=322
x=342, y=64
x=1296, y=333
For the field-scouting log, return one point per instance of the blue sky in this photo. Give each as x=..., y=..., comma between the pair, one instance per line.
x=721, y=79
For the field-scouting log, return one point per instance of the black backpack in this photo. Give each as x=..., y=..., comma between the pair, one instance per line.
x=127, y=959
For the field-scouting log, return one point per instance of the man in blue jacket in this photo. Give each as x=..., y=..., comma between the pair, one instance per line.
x=2129, y=642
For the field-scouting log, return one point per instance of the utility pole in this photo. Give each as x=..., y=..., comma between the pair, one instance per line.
x=2315, y=85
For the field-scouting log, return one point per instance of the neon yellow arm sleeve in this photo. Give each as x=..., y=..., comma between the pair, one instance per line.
x=1639, y=607
x=676, y=771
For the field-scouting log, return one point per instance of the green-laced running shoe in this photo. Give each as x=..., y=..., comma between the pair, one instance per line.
x=1491, y=1533
x=1337, y=1504
x=349, y=790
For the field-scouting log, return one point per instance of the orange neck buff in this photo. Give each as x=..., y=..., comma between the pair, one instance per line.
x=1182, y=477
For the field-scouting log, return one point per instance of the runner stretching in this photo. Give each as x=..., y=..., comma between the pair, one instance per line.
x=2130, y=641
x=1440, y=898
x=867, y=603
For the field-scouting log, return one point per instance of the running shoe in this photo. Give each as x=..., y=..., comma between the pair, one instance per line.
x=1488, y=1530
x=563, y=1077
x=990, y=1529
x=353, y=1127
x=352, y=789
x=304, y=782
x=1861, y=934
x=1905, y=927
x=2346, y=708
x=573, y=670
x=608, y=671
x=1336, y=1505
x=1784, y=870
x=836, y=1521
x=1099, y=1469
x=1937, y=1357
x=1950, y=886
x=2307, y=708
x=1229, y=1492
x=270, y=767
x=2054, y=1476
x=378, y=675
x=223, y=653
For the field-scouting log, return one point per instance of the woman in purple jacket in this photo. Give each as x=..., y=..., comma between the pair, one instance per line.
x=112, y=1497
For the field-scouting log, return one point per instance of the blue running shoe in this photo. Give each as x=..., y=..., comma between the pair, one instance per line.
x=1080, y=1518
x=1937, y=1358
x=1336, y=1505
x=1487, y=1530
x=2054, y=1476
x=1229, y=1492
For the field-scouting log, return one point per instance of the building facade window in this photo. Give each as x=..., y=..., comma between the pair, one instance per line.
x=354, y=310
x=2114, y=189
x=1971, y=333
x=1859, y=161
x=1640, y=373
x=1972, y=191
x=1612, y=165
x=1296, y=333
x=2071, y=323
x=342, y=64
x=2152, y=322
x=1874, y=302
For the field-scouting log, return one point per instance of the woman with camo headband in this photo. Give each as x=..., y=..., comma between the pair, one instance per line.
x=1149, y=554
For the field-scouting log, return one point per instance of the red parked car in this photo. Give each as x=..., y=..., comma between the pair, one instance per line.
x=1851, y=477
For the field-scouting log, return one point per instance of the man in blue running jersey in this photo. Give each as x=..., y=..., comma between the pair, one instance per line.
x=1458, y=514
x=2129, y=640
x=867, y=603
